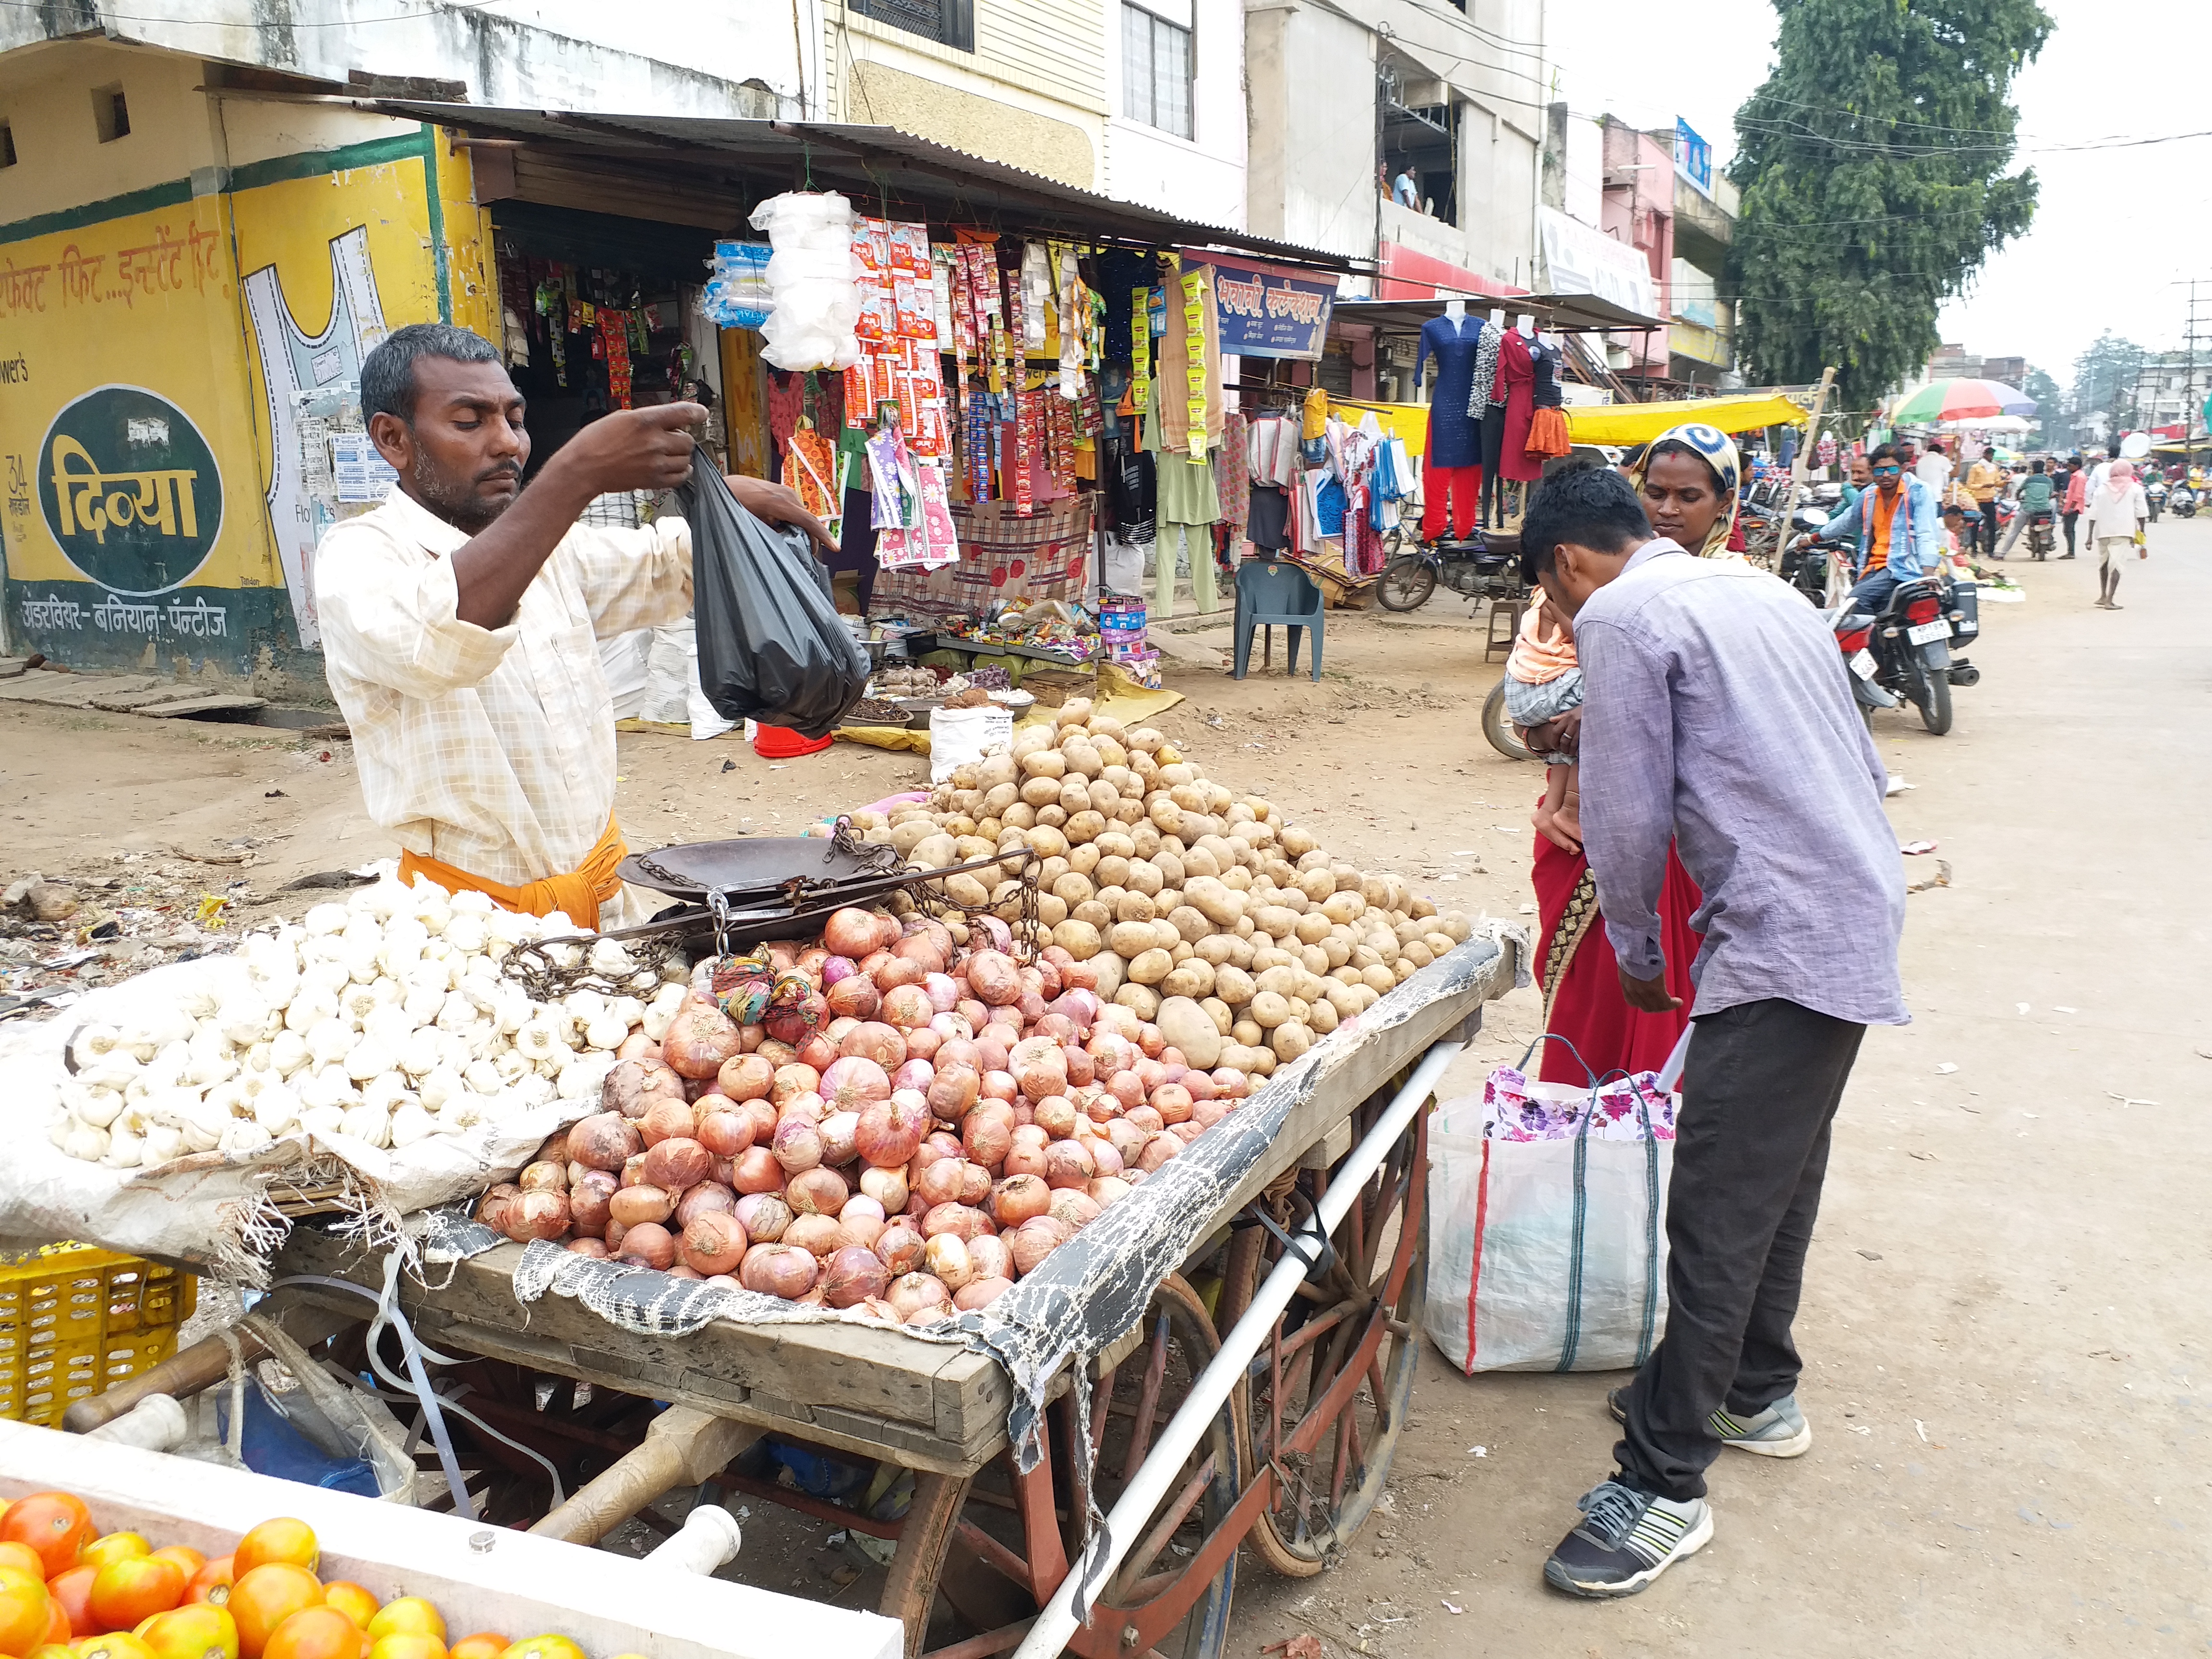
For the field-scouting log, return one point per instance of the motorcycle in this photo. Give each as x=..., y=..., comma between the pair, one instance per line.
x=1904, y=653
x=1469, y=566
x=2155, y=493
x=2182, y=502
x=2041, y=533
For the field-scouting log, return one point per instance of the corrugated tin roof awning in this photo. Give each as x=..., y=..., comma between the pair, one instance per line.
x=871, y=164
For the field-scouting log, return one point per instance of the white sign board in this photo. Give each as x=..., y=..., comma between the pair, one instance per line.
x=1584, y=260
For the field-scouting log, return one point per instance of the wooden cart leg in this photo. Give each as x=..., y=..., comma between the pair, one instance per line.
x=203, y=1366
x=684, y=1447
x=918, y=1564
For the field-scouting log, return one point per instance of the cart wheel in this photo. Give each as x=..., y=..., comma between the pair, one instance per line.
x=1328, y=1397
x=1171, y=1595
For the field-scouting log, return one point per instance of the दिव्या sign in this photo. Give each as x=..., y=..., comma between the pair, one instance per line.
x=129, y=489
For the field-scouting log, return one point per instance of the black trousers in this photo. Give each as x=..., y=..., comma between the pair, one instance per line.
x=1988, y=530
x=1758, y=1092
x=2069, y=519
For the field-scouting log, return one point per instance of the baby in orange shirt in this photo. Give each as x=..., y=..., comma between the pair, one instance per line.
x=1543, y=682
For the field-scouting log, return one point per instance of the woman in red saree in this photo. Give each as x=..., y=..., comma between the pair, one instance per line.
x=1688, y=481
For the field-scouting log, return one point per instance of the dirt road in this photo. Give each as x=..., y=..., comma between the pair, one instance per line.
x=2005, y=1307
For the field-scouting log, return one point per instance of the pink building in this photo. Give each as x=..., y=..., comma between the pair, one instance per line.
x=1639, y=211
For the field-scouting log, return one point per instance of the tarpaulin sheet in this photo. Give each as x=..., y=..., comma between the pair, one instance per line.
x=1639, y=423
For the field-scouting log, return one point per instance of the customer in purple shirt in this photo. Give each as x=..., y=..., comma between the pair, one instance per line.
x=1716, y=717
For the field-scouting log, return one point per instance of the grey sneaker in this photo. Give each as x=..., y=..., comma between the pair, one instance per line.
x=1780, y=1430
x=1626, y=1539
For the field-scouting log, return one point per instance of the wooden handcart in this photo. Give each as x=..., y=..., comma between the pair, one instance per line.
x=1290, y=1461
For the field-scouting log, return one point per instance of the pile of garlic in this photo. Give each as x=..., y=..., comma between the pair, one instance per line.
x=384, y=1019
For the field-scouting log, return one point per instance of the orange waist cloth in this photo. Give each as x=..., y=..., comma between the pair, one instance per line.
x=578, y=895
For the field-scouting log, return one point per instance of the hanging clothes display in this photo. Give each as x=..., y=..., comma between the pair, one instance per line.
x=1548, y=423
x=1232, y=475
x=1450, y=495
x=1456, y=347
x=1188, y=493
x=1516, y=370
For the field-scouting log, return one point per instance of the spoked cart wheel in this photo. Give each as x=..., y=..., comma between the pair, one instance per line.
x=1329, y=1395
x=1007, y=1537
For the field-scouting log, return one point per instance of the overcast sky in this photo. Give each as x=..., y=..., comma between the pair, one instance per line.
x=2114, y=227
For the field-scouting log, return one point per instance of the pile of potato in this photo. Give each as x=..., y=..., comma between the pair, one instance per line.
x=1202, y=911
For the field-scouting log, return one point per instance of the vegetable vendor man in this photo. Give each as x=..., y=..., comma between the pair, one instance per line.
x=461, y=621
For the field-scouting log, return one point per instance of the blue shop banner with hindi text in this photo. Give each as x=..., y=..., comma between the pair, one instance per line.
x=1266, y=313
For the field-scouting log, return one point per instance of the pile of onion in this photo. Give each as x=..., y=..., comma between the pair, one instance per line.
x=911, y=1162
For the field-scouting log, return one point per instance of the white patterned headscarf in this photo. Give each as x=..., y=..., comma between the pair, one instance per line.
x=1717, y=450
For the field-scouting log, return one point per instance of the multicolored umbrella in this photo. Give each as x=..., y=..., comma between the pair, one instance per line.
x=1961, y=400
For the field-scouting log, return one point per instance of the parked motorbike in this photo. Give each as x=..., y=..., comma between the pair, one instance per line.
x=2181, y=502
x=1469, y=566
x=1903, y=654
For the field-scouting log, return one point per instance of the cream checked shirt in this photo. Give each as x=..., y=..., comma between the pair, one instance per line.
x=490, y=750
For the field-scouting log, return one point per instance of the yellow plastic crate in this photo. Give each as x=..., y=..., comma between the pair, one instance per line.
x=74, y=1320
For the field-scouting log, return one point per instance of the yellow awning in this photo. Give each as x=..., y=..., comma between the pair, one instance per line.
x=1639, y=423
x=1409, y=422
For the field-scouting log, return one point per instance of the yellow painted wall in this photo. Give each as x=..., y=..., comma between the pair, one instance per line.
x=190, y=351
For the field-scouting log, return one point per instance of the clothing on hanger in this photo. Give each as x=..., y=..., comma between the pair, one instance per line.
x=1458, y=349
x=1271, y=449
x=1516, y=369
x=1232, y=473
x=1186, y=491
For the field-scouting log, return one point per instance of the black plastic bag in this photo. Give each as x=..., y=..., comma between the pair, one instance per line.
x=772, y=647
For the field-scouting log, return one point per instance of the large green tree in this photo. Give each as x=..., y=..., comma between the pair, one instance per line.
x=1872, y=164
x=2105, y=384
x=2050, y=409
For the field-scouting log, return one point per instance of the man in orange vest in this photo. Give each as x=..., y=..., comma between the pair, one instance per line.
x=461, y=621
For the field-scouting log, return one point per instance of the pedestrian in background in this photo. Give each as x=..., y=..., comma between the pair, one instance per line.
x=1856, y=485
x=2118, y=513
x=2034, y=497
x=1933, y=469
x=2076, y=483
x=1984, y=483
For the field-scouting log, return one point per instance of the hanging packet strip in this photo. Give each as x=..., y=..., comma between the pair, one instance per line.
x=891, y=475
x=1037, y=295
x=1021, y=489
x=977, y=451
x=872, y=247
x=860, y=392
x=1074, y=315
x=942, y=271
x=1140, y=348
x=1193, y=319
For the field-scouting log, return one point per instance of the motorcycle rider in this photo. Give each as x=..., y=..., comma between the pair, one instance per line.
x=1897, y=527
x=2035, y=496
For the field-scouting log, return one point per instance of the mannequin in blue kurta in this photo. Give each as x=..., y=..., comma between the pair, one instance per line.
x=1450, y=475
